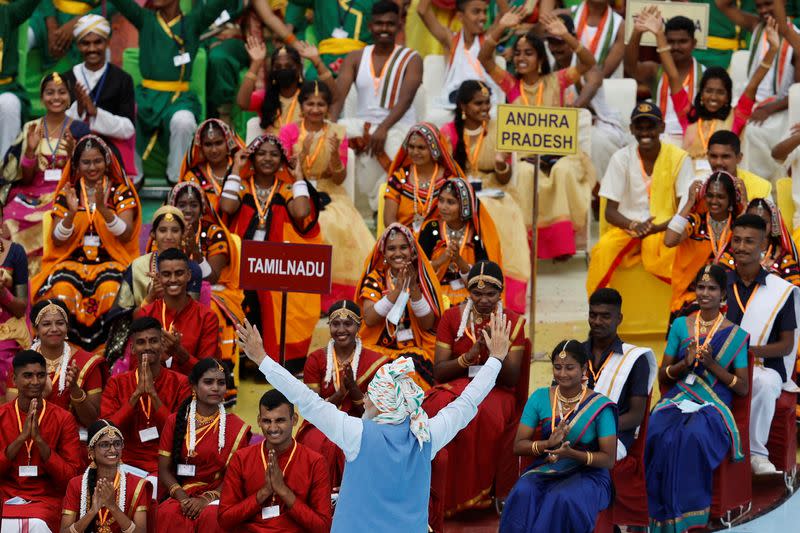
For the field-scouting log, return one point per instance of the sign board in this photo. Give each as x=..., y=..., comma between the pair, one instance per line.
x=277, y=266
x=696, y=12
x=537, y=130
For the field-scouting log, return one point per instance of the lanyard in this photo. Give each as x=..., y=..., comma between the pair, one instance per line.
x=284, y=469
x=718, y=246
x=703, y=139
x=262, y=210
x=90, y=207
x=104, y=515
x=472, y=156
x=461, y=245
x=311, y=159
x=596, y=375
x=54, y=152
x=149, y=408
x=213, y=180
x=376, y=81
x=600, y=27
x=739, y=300
x=688, y=84
x=164, y=317
x=290, y=112
x=539, y=94
x=199, y=436
x=98, y=89
x=29, y=442
x=474, y=63
x=168, y=30
x=431, y=186
x=711, y=332
x=648, y=180
x=563, y=416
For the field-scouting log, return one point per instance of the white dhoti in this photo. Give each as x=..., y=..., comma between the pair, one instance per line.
x=370, y=175
x=10, y=121
x=181, y=131
x=766, y=390
x=24, y=525
x=758, y=142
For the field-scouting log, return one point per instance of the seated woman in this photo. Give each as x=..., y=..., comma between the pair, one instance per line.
x=208, y=242
x=781, y=256
x=340, y=374
x=702, y=233
x=571, y=433
x=460, y=234
x=401, y=301
x=705, y=364
x=211, y=162
x=485, y=444
x=277, y=101
x=197, y=443
x=416, y=176
x=711, y=109
x=320, y=148
x=93, y=239
x=32, y=167
x=278, y=206
x=75, y=377
x=105, y=498
x=565, y=186
x=472, y=138
x=14, y=334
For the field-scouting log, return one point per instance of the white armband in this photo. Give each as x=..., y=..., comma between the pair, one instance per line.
x=383, y=306
x=232, y=187
x=678, y=224
x=420, y=307
x=62, y=233
x=117, y=226
x=300, y=188
x=205, y=268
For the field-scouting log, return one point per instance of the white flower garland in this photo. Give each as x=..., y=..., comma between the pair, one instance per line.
x=66, y=353
x=466, y=317
x=121, y=497
x=331, y=354
x=193, y=428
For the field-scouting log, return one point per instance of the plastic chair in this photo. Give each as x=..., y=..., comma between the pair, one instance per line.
x=738, y=71
x=350, y=179
x=620, y=94
x=379, y=226
x=794, y=104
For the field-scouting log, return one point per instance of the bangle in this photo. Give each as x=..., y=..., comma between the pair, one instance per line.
x=72, y=528
x=632, y=225
x=678, y=224
x=663, y=49
x=462, y=361
x=588, y=458
x=251, y=76
x=666, y=371
x=290, y=38
x=81, y=398
x=503, y=169
x=765, y=65
x=131, y=528
x=535, y=448
x=733, y=381
x=358, y=402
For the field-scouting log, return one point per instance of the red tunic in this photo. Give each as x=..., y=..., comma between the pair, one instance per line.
x=172, y=389
x=198, y=326
x=314, y=376
x=210, y=466
x=137, y=498
x=480, y=456
x=45, y=491
x=306, y=476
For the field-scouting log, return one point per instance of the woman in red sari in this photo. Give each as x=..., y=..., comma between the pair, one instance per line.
x=105, y=498
x=278, y=205
x=481, y=456
x=197, y=443
x=340, y=374
x=76, y=377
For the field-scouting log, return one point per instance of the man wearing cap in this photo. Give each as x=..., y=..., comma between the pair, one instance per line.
x=14, y=103
x=102, y=93
x=642, y=188
x=389, y=450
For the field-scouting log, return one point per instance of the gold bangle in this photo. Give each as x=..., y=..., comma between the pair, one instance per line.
x=733, y=381
x=462, y=361
x=534, y=448
x=765, y=65
x=80, y=399
x=503, y=169
x=588, y=458
x=663, y=49
x=666, y=371
x=250, y=76
x=72, y=528
x=358, y=402
x=175, y=487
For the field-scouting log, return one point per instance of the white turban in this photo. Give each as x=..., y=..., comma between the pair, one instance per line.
x=91, y=24
x=397, y=397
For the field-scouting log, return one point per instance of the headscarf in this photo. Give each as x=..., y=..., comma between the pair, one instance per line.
x=194, y=155
x=738, y=204
x=438, y=146
x=283, y=173
x=778, y=232
x=396, y=396
x=91, y=23
x=169, y=210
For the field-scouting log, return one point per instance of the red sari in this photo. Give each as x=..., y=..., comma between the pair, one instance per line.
x=45, y=491
x=480, y=456
x=137, y=498
x=210, y=465
x=314, y=376
x=172, y=389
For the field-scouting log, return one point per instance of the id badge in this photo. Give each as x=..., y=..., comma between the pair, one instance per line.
x=222, y=18
x=52, y=174
x=416, y=225
x=168, y=364
x=690, y=379
x=83, y=434
x=259, y=235
x=473, y=370
x=146, y=435
x=457, y=284
x=270, y=512
x=182, y=59
x=339, y=33
x=28, y=471
x=186, y=470
x=405, y=335
x=91, y=241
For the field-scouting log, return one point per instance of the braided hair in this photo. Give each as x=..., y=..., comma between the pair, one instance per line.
x=181, y=418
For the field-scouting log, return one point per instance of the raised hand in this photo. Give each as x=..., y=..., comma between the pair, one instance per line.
x=250, y=342
x=650, y=18
x=498, y=336
x=34, y=136
x=773, y=38
x=307, y=51
x=554, y=26
x=71, y=197
x=239, y=160
x=85, y=102
x=71, y=382
x=256, y=49
x=276, y=476
x=512, y=18
x=34, y=420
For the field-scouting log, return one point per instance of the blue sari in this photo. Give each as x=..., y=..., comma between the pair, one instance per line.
x=566, y=495
x=684, y=448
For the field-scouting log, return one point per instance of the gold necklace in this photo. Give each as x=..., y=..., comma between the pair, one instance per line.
x=703, y=325
x=204, y=420
x=573, y=399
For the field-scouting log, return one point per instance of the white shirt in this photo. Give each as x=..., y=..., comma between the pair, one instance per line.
x=345, y=430
x=624, y=183
x=104, y=123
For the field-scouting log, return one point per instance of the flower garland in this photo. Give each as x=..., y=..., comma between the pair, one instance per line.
x=330, y=357
x=121, y=496
x=66, y=353
x=193, y=428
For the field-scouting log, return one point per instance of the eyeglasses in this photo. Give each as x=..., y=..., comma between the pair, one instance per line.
x=106, y=445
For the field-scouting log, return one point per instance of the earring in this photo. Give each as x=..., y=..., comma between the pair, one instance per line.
x=92, y=464
x=384, y=261
x=194, y=396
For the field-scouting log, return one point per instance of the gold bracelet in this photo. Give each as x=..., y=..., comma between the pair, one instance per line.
x=534, y=448
x=358, y=402
x=72, y=528
x=666, y=371
x=766, y=65
x=503, y=169
x=588, y=458
x=733, y=381
x=175, y=487
x=250, y=76
x=80, y=399
x=663, y=49
x=462, y=361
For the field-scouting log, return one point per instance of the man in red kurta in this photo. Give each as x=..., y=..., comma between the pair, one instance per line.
x=191, y=330
x=139, y=401
x=41, y=452
x=278, y=485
